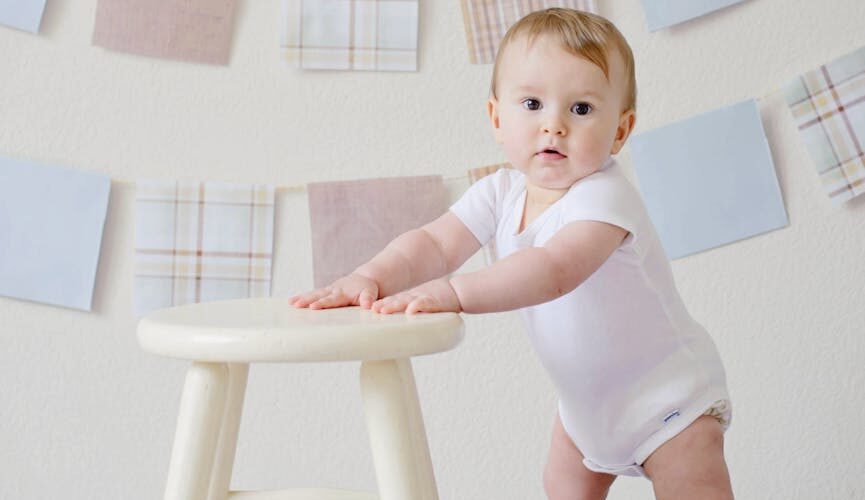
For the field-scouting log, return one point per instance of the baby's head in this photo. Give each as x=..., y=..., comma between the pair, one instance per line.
x=563, y=95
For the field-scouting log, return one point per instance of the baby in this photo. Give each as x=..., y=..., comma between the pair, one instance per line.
x=642, y=390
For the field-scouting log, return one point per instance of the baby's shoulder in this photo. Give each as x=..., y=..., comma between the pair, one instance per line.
x=506, y=183
x=607, y=186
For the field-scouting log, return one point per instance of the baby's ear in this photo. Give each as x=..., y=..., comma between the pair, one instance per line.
x=626, y=126
x=493, y=112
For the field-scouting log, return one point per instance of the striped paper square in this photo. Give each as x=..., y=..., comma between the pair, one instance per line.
x=201, y=241
x=474, y=175
x=351, y=221
x=828, y=106
x=486, y=21
x=370, y=35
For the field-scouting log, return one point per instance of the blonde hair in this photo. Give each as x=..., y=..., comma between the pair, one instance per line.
x=583, y=34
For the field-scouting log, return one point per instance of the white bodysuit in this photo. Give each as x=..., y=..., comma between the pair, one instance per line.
x=631, y=367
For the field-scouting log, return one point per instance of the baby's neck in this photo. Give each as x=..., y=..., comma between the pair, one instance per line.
x=543, y=197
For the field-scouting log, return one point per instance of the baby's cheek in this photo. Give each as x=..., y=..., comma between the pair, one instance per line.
x=515, y=151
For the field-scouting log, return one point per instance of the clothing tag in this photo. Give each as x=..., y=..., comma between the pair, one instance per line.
x=671, y=416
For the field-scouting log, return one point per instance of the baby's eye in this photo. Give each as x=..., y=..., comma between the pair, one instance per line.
x=532, y=104
x=581, y=108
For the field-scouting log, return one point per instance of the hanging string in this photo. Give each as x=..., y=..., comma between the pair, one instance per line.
x=301, y=188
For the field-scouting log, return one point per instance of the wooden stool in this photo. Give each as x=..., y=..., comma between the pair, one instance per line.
x=222, y=338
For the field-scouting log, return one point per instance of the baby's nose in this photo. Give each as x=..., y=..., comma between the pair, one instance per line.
x=555, y=128
x=554, y=125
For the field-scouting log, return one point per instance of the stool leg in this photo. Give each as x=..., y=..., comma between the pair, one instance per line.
x=399, y=447
x=198, y=427
x=220, y=479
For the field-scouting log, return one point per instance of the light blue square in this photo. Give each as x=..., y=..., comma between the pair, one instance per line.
x=663, y=13
x=51, y=222
x=709, y=180
x=22, y=14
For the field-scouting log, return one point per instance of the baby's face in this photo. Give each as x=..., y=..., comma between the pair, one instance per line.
x=557, y=115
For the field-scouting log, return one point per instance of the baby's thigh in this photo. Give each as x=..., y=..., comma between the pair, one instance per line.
x=565, y=476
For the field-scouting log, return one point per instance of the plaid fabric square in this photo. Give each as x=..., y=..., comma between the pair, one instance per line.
x=201, y=241
x=372, y=35
x=351, y=221
x=476, y=174
x=828, y=106
x=487, y=21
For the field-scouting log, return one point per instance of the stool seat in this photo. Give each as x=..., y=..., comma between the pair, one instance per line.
x=271, y=330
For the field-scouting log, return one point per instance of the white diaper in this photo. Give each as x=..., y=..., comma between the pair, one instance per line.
x=633, y=454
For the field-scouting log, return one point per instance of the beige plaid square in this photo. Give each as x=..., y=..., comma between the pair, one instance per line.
x=486, y=21
x=828, y=106
x=201, y=241
x=372, y=35
x=476, y=174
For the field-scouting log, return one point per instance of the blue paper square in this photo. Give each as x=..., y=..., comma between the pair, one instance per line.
x=663, y=13
x=709, y=180
x=51, y=222
x=22, y=14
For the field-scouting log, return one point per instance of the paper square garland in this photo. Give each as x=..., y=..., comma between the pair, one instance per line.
x=709, y=180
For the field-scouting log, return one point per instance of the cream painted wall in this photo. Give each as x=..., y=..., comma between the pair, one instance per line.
x=86, y=415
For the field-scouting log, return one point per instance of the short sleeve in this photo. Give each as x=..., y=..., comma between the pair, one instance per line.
x=479, y=208
x=607, y=196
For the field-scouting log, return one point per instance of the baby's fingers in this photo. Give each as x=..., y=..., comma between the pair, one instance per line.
x=392, y=304
x=336, y=299
x=305, y=299
x=366, y=298
x=423, y=304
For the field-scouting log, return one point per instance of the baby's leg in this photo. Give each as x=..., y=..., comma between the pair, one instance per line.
x=565, y=476
x=691, y=465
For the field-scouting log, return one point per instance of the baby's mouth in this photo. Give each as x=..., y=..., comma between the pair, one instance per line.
x=551, y=154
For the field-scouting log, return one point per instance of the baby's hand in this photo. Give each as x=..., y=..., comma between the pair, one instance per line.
x=351, y=290
x=432, y=296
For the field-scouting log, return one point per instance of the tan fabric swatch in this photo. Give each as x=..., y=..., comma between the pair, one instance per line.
x=187, y=30
x=351, y=221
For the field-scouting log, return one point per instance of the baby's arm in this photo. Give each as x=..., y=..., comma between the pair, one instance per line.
x=414, y=257
x=527, y=277
x=540, y=274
